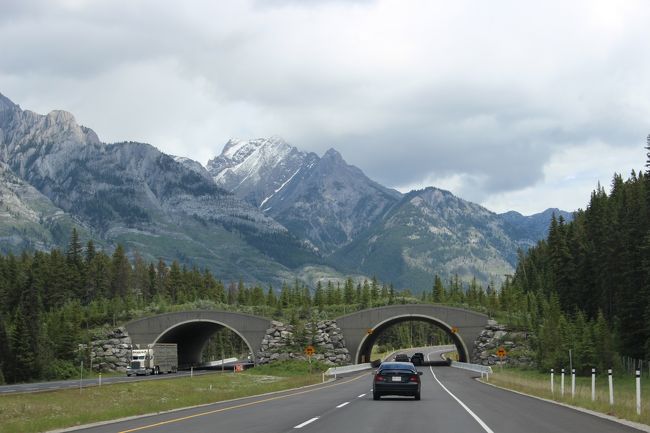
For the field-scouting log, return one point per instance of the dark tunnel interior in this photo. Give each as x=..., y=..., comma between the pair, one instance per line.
x=191, y=339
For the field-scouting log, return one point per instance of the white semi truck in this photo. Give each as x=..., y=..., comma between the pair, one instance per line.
x=154, y=359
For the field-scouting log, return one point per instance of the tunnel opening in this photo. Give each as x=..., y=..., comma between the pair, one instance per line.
x=427, y=331
x=202, y=341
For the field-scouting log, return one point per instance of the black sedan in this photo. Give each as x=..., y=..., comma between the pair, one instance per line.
x=396, y=378
x=417, y=358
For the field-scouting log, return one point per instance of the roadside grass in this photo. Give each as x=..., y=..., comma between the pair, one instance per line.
x=539, y=384
x=377, y=354
x=39, y=412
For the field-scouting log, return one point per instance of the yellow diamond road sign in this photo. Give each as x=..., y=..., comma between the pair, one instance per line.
x=309, y=350
x=501, y=352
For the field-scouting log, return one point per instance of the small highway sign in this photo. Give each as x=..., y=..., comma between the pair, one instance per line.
x=501, y=352
x=309, y=350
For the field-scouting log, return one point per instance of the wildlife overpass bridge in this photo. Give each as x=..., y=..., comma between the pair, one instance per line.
x=192, y=329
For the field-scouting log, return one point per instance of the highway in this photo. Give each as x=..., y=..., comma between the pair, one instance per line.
x=452, y=401
x=72, y=383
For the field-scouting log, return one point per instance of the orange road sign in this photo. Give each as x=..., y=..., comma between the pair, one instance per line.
x=309, y=350
x=501, y=352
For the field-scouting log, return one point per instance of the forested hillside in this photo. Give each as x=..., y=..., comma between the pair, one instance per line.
x=50, y=303
x=597, y=267
x=586, y=289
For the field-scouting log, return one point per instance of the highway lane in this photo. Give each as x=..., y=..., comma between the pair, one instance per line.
x=346, y=405
x=72, y=383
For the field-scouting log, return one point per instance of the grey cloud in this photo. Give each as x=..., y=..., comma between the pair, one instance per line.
x=407, y=91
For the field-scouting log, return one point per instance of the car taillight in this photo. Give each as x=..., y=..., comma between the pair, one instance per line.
x=379, y=378
x=414, y=378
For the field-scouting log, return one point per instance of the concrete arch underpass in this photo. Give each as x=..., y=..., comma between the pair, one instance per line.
x=191, y=330
x=191, y=338
x=361, y=329
x=365, y=348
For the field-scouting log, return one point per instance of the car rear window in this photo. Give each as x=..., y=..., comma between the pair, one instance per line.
x=394, y=367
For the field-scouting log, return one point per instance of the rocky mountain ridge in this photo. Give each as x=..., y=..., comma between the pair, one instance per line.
x=261, y=211
x=321, y=199
x=131, y=193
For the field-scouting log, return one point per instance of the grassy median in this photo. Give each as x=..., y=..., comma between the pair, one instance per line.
x=539, y=384
x=39, y=412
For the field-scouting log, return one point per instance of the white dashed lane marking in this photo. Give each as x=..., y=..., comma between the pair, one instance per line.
x=362, y=395
x=309, y=421
x=342, y=404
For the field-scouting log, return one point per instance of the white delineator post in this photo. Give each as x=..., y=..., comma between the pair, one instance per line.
x=562, y=384
x=552, y=381
x=100, y=379
x=593, y=384
x=638, y=392
x=611, y=386
x=573, y=383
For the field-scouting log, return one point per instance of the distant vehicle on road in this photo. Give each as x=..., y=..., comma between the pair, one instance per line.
x=396, y=378
x=417, y=358
x=155, y=359
x=402, y=357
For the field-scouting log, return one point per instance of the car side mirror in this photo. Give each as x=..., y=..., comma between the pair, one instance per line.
x=419, y=373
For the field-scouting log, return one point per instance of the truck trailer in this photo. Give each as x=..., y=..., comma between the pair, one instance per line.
x=154, y=359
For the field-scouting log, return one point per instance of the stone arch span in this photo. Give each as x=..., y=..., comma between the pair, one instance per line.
x=361, y=329
x=192, y=329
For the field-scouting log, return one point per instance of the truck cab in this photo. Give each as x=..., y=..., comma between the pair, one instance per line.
x=140, y=363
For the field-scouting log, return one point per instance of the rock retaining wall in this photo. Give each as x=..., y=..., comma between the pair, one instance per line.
x=281, y=343
x=111, y=350
x=516, y=344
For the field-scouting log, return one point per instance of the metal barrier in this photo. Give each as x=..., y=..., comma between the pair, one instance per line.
x=483, y=369
x=334, y=371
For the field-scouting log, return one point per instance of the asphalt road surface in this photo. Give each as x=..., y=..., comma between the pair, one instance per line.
x=452, y=401
x=66, y=384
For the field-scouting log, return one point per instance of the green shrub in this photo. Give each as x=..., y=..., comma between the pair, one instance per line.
x=59, y=369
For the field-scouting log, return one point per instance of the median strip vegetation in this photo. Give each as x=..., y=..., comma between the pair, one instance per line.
x=30, y=413
x=539, y=384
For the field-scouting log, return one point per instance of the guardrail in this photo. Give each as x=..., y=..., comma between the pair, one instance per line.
x=334, y=371
x=483, y=369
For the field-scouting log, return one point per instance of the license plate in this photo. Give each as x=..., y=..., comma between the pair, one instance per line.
x=397, y=378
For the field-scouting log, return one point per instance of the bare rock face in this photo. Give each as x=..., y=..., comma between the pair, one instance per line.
x=133, y=194
x=320, y=199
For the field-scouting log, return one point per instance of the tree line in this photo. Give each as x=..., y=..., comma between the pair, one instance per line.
x=50, y=302
x=585, y=288
x=589, y=281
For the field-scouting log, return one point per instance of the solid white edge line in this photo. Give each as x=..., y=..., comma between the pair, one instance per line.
x=463, y=405
x=309, y=421
x=342, y=404
x=362, y=395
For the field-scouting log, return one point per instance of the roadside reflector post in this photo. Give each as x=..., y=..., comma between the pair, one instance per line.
x=573, y=383
x=100, y=379
x=611, y=386
x=638, y=392
x=593, y=384
x=191, y=372
x=552, y=381
x=562, y=384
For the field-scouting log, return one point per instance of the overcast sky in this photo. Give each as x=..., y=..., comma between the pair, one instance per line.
x=514, y=105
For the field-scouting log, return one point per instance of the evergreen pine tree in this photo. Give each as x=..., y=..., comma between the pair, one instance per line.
x=319, y=296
